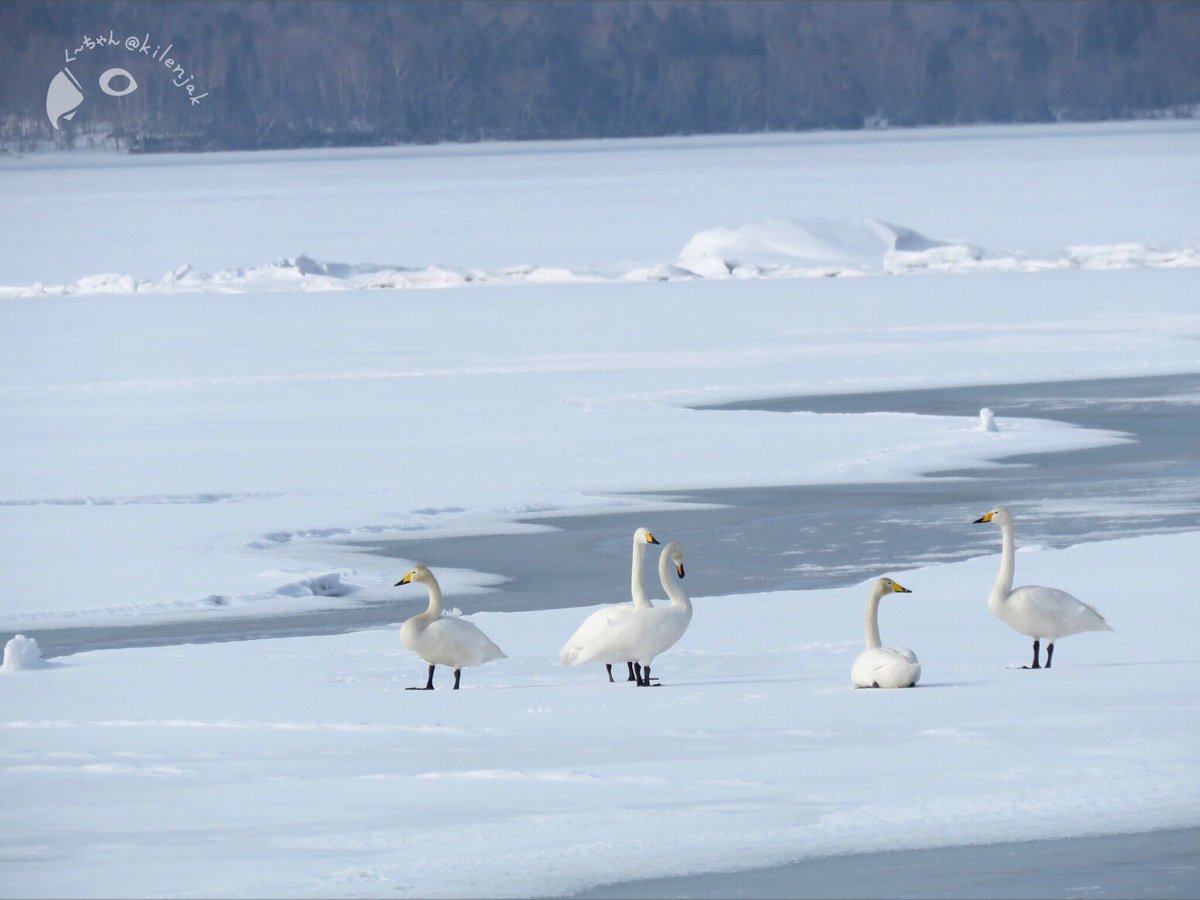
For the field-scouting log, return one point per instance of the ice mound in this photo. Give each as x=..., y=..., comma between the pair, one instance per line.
x=783, y=247
x=987, y=420
x=22, y=653
x=327, y=584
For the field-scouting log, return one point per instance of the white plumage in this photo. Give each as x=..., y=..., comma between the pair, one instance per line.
x=878, y=666
x=594, y=626
x=443, y=640
x=1042, y=613
x=646, y=633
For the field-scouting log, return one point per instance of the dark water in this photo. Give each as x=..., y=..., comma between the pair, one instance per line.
x=1156, y=864
x=775, y=538
x=761, y=539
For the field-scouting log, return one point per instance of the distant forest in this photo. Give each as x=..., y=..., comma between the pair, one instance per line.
x=299, y=73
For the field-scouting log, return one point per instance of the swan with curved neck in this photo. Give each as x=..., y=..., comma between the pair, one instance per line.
x=443, y=640
x=1042, y=613
x=597, y=623
x=878, y=666
x=647, y=633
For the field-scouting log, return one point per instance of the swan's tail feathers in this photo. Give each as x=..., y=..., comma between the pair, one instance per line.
x=569, y=656
x=1100, y=623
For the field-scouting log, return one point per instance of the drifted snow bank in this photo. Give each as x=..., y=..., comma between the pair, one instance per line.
x=772, y=248
x=22, y=653
x=783, y=248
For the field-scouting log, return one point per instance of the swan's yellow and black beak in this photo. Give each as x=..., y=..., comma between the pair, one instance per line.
x=898, y=588
x=407, y=579
x=986, y=517
x=651, y=539
x=679, y=569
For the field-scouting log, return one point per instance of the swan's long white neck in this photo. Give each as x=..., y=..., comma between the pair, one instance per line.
x=872, y=618
x=641, y=599
x=1008, y=562
x=434, y=610
x=670, y=582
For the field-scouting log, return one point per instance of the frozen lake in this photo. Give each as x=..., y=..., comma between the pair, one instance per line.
x=811, y=536
x=285, y=377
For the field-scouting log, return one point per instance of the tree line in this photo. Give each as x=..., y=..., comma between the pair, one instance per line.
x=290, y=73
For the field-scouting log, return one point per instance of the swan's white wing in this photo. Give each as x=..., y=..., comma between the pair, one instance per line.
x=1048, y=613
x=578, y=647
x=456, y=642
x=885, y=667
x=650, y=632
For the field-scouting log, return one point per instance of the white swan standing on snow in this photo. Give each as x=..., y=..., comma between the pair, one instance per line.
x=646, y=633
x=442, y=640
x=1042, y=613
x=597, y=623
x=879, y=666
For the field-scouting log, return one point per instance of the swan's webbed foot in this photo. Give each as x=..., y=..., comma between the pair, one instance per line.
x=1049, y=653
x=457, y=675
x=429, y=683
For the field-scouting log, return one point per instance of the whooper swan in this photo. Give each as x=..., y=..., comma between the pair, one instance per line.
x=443, y=640
x=878, y=666
x=597, y=623
x=1042, y=613
x=649, y=632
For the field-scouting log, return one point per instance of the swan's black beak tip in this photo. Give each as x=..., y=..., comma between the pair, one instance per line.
x=981, y=520
x=679, y=568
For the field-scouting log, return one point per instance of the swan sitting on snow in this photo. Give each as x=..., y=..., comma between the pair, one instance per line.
x=878, y=666
x=441, y=640
x=646, y=633
x=1042, y=613
x=595, y=625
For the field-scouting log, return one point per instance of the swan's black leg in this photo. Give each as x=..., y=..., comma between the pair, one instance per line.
x=608, y=666
x=1049, y=653
x=632, y=677
x=644, y=680
x=637, y=667
x=457, y=675
x=428, y=684
x=1037, y=647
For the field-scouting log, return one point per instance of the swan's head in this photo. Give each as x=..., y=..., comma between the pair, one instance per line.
x=643, y=536
x=674, y=552
x=420, y=573
x=999, y=514
x=887, y=586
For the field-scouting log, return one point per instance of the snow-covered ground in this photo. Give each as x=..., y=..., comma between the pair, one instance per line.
x=200, y=445
x=302, y=767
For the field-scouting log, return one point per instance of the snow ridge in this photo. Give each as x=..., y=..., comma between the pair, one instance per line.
x=771, y=248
